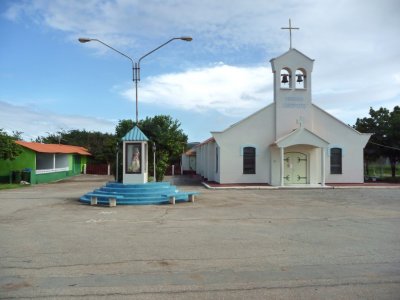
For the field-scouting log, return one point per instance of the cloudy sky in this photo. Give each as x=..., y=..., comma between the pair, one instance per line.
x=51, y=82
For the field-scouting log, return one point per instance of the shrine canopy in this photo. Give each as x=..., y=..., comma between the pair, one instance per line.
x=135, y=134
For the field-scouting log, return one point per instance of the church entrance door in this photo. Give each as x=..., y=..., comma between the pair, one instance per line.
x=295, y=168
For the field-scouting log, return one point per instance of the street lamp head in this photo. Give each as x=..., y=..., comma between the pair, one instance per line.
x=84, y=40
x=186, y=38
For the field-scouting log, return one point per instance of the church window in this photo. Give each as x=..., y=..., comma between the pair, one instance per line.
x=249, y=160
x=300, y=79
x=336, y=161
x=286, y=78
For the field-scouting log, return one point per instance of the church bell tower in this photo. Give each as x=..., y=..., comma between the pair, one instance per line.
x=292, y=90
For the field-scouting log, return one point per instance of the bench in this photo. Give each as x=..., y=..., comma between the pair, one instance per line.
x=172, y=196
x=112, y=199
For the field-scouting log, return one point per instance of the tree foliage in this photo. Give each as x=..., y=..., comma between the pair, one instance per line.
x=162, y=130
x=123, y=128
x=100, y=145
x=165, y=132
x=385, y=125
x=9, y=150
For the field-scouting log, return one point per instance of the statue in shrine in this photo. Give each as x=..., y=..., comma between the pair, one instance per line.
x=134, y=165
x=135, y=160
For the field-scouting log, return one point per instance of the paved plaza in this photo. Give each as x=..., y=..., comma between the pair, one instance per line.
x=229, y=244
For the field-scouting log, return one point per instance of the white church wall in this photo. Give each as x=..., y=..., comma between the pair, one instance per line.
x=199, y=160
x=291, y=112
x=349, y=140
x=185, y=159
x=192, y=163
x=211, y=162
x=275, y=172
x=217, y=176
x=314, y=165
x=257, y=131
x=188, y=162
x=205, y=160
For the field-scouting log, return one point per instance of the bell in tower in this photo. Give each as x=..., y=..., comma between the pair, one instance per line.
x=286, y=78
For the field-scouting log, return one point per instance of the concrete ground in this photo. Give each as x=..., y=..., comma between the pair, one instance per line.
x=229, y=244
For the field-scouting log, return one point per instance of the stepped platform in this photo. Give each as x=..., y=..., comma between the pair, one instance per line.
x=114, y=193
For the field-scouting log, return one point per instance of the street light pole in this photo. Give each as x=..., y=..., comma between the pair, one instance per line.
x=154, y=162
x=116, y=164
x=136, y=65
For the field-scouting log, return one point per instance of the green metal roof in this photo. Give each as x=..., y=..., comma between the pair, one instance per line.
x=135, y=135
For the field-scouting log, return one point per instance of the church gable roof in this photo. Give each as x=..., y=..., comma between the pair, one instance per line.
x=292, y=51
x=301, y=136
x=135, y=134
x=244, y=120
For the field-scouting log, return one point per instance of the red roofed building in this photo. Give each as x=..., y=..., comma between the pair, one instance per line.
x=54, y=148
x=40, y=163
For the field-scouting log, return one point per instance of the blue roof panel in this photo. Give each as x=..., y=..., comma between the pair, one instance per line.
x=135, y=135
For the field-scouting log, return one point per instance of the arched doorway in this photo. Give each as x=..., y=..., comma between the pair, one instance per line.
x=295, y=168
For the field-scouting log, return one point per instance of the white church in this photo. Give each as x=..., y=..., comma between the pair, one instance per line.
x=289, y=142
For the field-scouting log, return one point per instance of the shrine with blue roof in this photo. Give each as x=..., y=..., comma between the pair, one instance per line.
x=135, y=160
x=135, y=188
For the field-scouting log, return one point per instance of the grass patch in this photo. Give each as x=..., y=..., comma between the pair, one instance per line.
x=6, y=186
x=377, y=170
x=382, y=179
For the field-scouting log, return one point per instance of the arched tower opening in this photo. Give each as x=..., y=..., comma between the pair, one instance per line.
x=286, y=78
x=301, y=78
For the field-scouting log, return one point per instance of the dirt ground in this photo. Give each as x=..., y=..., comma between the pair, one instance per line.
x=229, y=244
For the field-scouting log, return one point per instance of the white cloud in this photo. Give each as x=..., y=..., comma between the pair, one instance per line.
x=239, y=91
x=397, y=78
x=34, y=123
x=354, y=43
x=227, y=89
x=218, y=22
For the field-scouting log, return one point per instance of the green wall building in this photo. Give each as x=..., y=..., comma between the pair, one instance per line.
x=40, y=163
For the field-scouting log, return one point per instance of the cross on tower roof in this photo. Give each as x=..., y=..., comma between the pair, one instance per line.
x=290, y=31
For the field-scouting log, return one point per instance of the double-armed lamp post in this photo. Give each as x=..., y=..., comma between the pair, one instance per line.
x=136, y=65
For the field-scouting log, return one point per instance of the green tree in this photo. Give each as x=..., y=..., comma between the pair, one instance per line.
x=166, y=133
x=100, y=145
x=123, y=127
x=9, y=150
x=385, y=142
